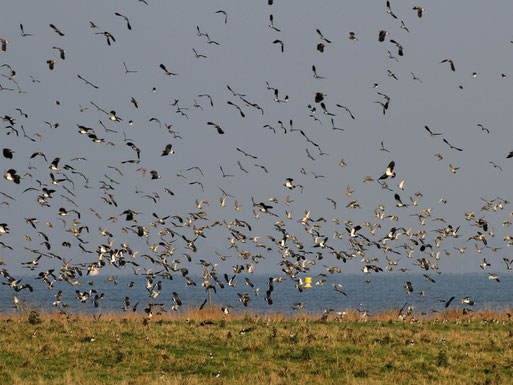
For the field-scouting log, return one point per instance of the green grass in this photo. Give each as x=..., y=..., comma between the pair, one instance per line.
x=276, y=351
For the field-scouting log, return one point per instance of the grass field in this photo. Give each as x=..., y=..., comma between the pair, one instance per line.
x=209, y=347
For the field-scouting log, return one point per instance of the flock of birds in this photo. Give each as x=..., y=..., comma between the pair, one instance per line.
x=91, y=220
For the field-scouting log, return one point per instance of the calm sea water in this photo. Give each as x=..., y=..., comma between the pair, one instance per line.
x=383, y=292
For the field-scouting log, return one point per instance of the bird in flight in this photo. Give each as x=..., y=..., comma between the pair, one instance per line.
x=453, y=68
x=197, y=55
x=271, y=23
x=108, y=36
x=127, y=71
x=430, y=132
x=126, y=19
x=87, y=82
x=453, y=169
x=415, y=77
x=389, y=10
x=451, y=146
x=419, y=11
x=400, y=51
x=389, y=171
x=314, y=70
x=23, y=32
x=495, y=165
x=348, y=111
x=282, y=45
x=163, y=67
x=322, y=36
x=382, y=35
x=483, y=128
x=57, y=30
x=62, y=52
x=225, y=15
x=51, y=64
x=217, y=126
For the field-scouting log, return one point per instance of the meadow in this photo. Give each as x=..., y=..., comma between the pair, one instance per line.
x=208, y=346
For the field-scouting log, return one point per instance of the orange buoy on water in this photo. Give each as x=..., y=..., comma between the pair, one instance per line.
x=308, y=282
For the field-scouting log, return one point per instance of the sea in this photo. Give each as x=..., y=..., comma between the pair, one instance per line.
x=373, y=293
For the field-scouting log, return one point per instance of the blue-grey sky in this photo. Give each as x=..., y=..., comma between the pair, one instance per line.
x=474, y=34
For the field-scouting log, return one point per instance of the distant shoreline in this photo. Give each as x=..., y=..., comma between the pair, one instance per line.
x=215, y=313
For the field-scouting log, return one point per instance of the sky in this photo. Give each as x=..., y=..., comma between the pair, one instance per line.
x=475, y=35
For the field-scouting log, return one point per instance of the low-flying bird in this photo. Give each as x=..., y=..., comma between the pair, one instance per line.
x=428, y=278
x=448, y=303
x=177, y=299
x=495, y=277
x=485, y=264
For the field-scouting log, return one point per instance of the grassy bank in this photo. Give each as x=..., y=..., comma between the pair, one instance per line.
x=209, y=347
